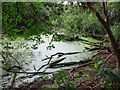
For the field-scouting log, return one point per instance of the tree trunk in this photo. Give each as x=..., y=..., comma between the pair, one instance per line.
x=105, y=23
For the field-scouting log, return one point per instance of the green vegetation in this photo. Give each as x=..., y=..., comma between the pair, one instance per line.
x=85, y=22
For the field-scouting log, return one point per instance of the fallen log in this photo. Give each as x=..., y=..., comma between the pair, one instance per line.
x=59, y=55
x=67, y=37
x=95, y=37
x=69, y=64
x=98, y=48
x=55, y=62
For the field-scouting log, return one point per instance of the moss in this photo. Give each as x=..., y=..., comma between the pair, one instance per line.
x=91, y=39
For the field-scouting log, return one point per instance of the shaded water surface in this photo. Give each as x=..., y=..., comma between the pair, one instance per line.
x=34, y=58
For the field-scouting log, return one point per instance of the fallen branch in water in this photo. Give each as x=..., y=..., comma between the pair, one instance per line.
x=18, y=67
x=15, y=60
x=54, y=65
x=93, y=44
x=13, y=71
x=55, y=62
x=59, y=55
x=50, y=60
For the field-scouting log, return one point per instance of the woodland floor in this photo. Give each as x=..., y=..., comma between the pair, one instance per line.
x=80, y=77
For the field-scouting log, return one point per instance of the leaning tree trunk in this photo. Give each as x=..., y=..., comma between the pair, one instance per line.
x=105, y=23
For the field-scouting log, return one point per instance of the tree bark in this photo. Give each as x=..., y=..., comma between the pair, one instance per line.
x=105, y=23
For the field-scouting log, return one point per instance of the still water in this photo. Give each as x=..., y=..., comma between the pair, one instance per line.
x=34, y=58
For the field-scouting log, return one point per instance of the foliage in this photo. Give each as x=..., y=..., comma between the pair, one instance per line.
x=7, y=61
x=77, y=20
x=27, y=18
x=109, y=76
x=71, y=20
x=90, y=23
x=113, y=14
x=40, y=18
x=63, y=82
x=14, y=55
x=30, y=18
x=116, y=30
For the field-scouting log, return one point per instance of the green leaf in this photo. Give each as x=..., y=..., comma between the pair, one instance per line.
x=101, y=61
x=107, y=82
x=96, y=65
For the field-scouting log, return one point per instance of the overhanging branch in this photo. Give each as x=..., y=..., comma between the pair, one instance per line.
x=96, y=13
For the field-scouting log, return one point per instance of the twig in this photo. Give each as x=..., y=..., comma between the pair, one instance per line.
x=15, y=59
x=96, y=54
x=103, y=42
x=101, y=85
x=72, y=76
x=26, y=72
x=14, y=67
x=82, y=65
x=107, y=59
x=17, y=63
x=78, y=80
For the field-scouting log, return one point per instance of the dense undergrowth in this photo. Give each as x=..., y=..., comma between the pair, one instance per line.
x=82, y=76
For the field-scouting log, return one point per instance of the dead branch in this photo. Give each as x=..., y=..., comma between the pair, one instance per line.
x=50, y=60
x=15, y=59
x=71, y=75
x=107, y=59
x=26, y=72
x=59, y=55
x=17, y=63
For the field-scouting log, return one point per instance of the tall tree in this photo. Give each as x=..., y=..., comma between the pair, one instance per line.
x=105, y=23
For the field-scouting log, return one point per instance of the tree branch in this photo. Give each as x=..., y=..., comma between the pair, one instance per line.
x=96, y=13
x=106, y=26
x=107, y=59
x=26, y=72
